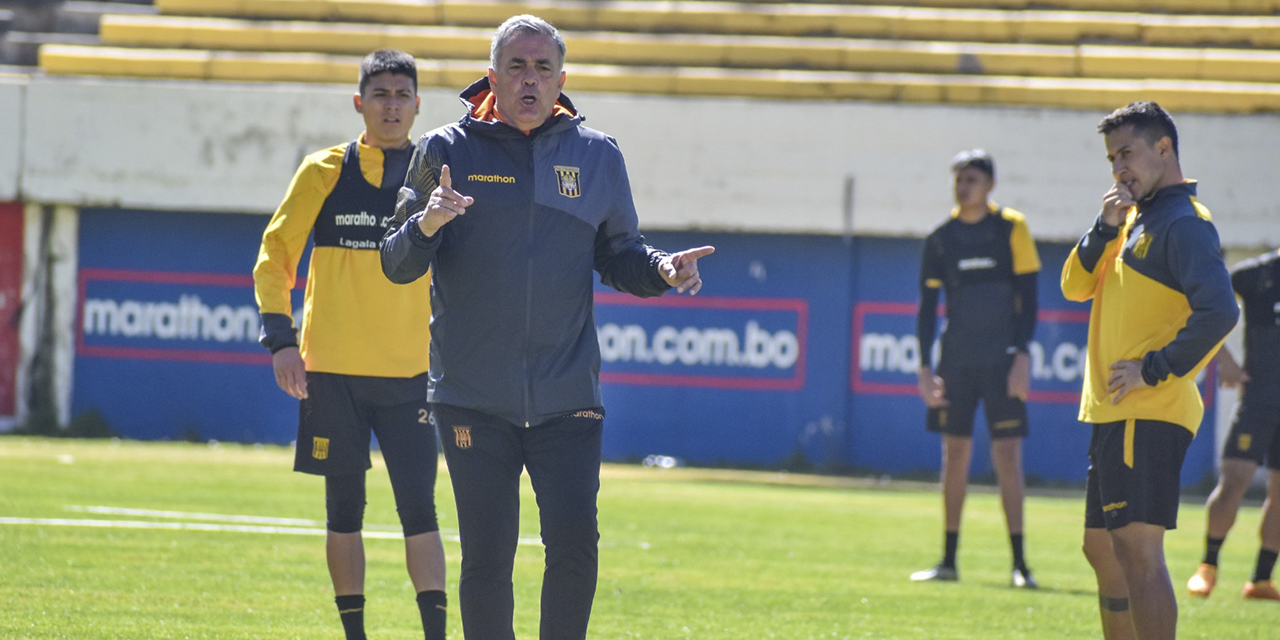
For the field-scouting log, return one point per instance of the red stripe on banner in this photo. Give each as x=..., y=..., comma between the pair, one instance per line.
x=11, y=234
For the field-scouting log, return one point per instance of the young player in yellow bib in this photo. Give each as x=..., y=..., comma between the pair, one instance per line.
x=360, y=362
x=1161, y=306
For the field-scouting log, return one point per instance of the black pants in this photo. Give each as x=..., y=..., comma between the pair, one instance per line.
x=485, y=456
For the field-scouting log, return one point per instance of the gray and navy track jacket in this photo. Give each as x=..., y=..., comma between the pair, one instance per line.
x=513, y=325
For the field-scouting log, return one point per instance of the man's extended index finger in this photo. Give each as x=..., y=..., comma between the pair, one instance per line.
x=445, y=180
x=694, y=254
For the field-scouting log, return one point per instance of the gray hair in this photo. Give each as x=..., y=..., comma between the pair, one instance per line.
x=519, y=25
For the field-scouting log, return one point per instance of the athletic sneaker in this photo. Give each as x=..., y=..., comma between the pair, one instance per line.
x=941, y=573
x=1261, y=590
x=1201, y=584
x=1022, y=579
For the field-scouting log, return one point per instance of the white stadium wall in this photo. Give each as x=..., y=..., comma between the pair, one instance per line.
x=696, y=163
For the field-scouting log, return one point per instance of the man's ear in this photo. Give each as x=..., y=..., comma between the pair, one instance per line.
x=358, y=103
x=417, y=105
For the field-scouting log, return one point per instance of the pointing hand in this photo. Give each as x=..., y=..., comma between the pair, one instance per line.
x=680, y=270
x=444, y=205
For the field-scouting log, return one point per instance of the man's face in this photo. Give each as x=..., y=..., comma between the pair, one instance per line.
x=527, y=80
x=1137, y=164
x=972, y=187
x=389, y=104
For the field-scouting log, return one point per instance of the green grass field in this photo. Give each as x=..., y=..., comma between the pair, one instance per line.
x=706, y=555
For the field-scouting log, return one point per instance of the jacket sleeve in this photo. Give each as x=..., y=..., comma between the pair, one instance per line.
x=1026, y=269
x=1026, y=288
x=283, y=243
x=406, y=252
x=622, y=259
x=1244, y=276
x=931, y=278
x=1195, y=258
x=1080, y=272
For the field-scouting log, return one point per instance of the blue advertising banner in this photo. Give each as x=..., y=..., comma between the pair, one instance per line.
x=748, y=372
x=712, y=379
x=799, y=351
x=167, y=328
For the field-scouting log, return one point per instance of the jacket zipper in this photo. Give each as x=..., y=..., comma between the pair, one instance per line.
x=528, y=292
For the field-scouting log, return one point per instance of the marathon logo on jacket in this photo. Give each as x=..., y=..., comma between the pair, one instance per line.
x=493, y=177
x=362, y=219
x=567, y=179
x=359, y=230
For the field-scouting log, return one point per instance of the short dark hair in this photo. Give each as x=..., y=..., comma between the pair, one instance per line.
x=974, y=158
x=388, y=61
x=521, y=24
x=1148, y=120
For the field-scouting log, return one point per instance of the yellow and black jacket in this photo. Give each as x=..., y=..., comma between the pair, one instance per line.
x=354, y=320
x=1161, y=295
x=988, y=271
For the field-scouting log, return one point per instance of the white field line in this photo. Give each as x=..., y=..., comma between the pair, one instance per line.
x=190, y=515
x=199, y=526
x=246, y=524
x=179, y=526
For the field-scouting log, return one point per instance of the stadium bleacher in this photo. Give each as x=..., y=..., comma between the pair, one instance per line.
x=1199, y=55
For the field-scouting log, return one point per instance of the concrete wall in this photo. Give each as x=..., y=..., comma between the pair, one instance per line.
x=696, y=163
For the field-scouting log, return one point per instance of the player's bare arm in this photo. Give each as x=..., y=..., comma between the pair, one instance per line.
x=680, y=270
x=444, y=205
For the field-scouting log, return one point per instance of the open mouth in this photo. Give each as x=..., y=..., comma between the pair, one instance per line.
x=528, y=101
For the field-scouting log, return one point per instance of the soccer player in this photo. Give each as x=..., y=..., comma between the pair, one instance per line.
x=1255, y=433
x=985, y=261
x=1162, y=304
x=511, y=208
x=359, y=363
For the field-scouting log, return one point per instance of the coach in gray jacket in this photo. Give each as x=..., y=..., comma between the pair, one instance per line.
x=510, y=209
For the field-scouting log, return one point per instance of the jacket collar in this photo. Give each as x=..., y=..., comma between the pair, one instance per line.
x=1182, y=190
x=481, y=116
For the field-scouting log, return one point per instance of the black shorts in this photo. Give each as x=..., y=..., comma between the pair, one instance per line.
x=1135, y=473
x=340, y=411
x=1255, y=434
x=965, y=386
